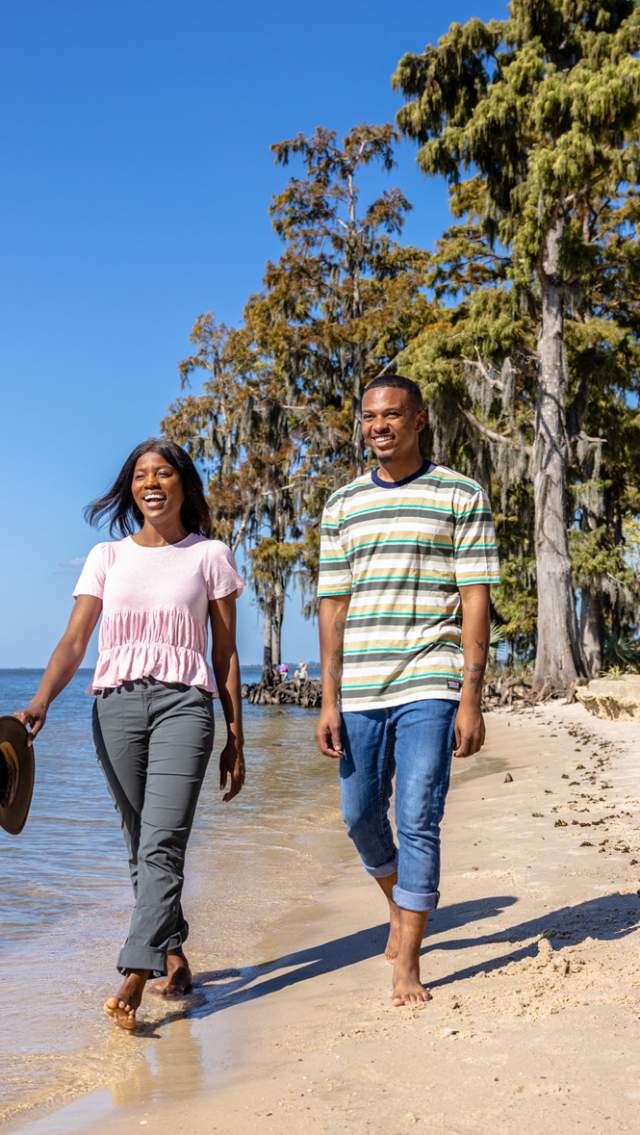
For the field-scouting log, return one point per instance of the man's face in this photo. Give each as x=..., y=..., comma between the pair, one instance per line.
x=391, y=424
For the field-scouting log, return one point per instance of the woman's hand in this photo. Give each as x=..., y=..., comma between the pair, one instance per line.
x=232, y=767
x=63, y=663
x=33, y=717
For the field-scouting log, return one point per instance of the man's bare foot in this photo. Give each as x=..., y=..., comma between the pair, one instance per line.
x=178, y=982
x=122, y=1008
x=386, y=884
x=407, y=987
x=393, y=941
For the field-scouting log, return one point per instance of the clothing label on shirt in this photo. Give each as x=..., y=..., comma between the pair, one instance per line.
x=452, y=684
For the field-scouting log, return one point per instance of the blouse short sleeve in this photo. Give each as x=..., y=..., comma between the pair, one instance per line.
x=220, y=571
x=93, y=574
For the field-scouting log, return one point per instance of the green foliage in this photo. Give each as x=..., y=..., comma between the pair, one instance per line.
x=534, y=122
x=623, y=653
x=274, y=423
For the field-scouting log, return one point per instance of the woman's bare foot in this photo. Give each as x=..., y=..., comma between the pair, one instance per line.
x=393, y=941
x=122, y=1008
x=178, y=982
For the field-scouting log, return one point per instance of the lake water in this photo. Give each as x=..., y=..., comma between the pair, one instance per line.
x=65, y=895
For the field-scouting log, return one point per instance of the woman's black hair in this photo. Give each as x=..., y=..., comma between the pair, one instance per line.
x=118, y=504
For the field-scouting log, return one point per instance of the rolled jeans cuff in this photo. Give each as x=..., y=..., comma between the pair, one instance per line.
x=388, y=868
x=413, y=900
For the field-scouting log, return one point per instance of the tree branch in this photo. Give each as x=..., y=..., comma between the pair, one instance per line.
x=385, y=368
x=477, y=364
x=494, y=436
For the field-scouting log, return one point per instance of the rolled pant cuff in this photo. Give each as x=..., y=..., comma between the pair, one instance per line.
x=388, y=868
x=143, y=957
x=413, y=900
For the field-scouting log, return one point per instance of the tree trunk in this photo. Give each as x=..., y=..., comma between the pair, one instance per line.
x=558, y=654
x=275, y=643
x=267, y=647
x=591, y=630
x=276, y=627
x=358, y=447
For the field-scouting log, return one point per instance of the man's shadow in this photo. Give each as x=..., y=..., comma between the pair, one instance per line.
x=606, y=918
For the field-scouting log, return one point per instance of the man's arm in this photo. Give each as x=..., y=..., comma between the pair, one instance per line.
x=469, y=726
x=333, y=613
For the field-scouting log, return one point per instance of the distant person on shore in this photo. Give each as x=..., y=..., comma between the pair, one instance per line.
x=301, y=673
x=157, y=588
x=407, y=557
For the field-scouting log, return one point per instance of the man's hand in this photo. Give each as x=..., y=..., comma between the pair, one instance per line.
x=329, y=732
x=231, y=766
x=469, y=731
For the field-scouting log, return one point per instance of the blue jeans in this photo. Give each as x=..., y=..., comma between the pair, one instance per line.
x=414, y=741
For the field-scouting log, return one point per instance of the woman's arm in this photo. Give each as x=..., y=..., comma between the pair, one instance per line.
x=226, y=668
x=64, y=661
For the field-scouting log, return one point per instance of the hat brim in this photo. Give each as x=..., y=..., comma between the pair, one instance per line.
x=14, y=812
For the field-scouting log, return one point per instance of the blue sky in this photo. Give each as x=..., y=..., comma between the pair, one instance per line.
x=134, y=196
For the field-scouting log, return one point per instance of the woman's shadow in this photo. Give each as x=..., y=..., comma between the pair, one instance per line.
x=605, y=918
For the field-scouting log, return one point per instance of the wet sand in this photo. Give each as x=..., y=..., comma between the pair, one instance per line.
x=532, y=959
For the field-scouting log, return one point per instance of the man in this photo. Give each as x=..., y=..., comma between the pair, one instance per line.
x=407, y=557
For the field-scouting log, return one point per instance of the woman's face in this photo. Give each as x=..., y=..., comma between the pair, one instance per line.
x=156, y=488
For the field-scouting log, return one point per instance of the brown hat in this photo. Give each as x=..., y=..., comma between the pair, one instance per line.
x=17, y=771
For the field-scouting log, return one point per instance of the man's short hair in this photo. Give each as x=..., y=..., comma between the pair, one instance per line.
x=401, y=383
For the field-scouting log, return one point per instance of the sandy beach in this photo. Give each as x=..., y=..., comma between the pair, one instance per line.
x=532, y=960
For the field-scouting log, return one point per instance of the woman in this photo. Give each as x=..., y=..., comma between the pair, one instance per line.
x=156, y=588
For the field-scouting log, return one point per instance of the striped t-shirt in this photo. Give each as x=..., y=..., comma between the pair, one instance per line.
x=401, y=550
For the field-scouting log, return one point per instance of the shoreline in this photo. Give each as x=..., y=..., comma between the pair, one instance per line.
x=536, y=928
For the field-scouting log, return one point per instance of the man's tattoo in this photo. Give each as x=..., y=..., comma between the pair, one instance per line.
x=476, y=670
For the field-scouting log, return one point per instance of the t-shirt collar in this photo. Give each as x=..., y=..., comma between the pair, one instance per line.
x=426, y=467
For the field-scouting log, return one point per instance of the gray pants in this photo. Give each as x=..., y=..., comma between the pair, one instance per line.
x=154, y=741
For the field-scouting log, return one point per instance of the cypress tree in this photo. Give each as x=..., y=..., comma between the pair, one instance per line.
x=542, y=109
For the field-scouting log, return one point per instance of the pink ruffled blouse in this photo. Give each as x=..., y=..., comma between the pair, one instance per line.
x=155, y=608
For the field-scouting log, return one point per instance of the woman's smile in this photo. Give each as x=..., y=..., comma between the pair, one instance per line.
x=156, y=487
